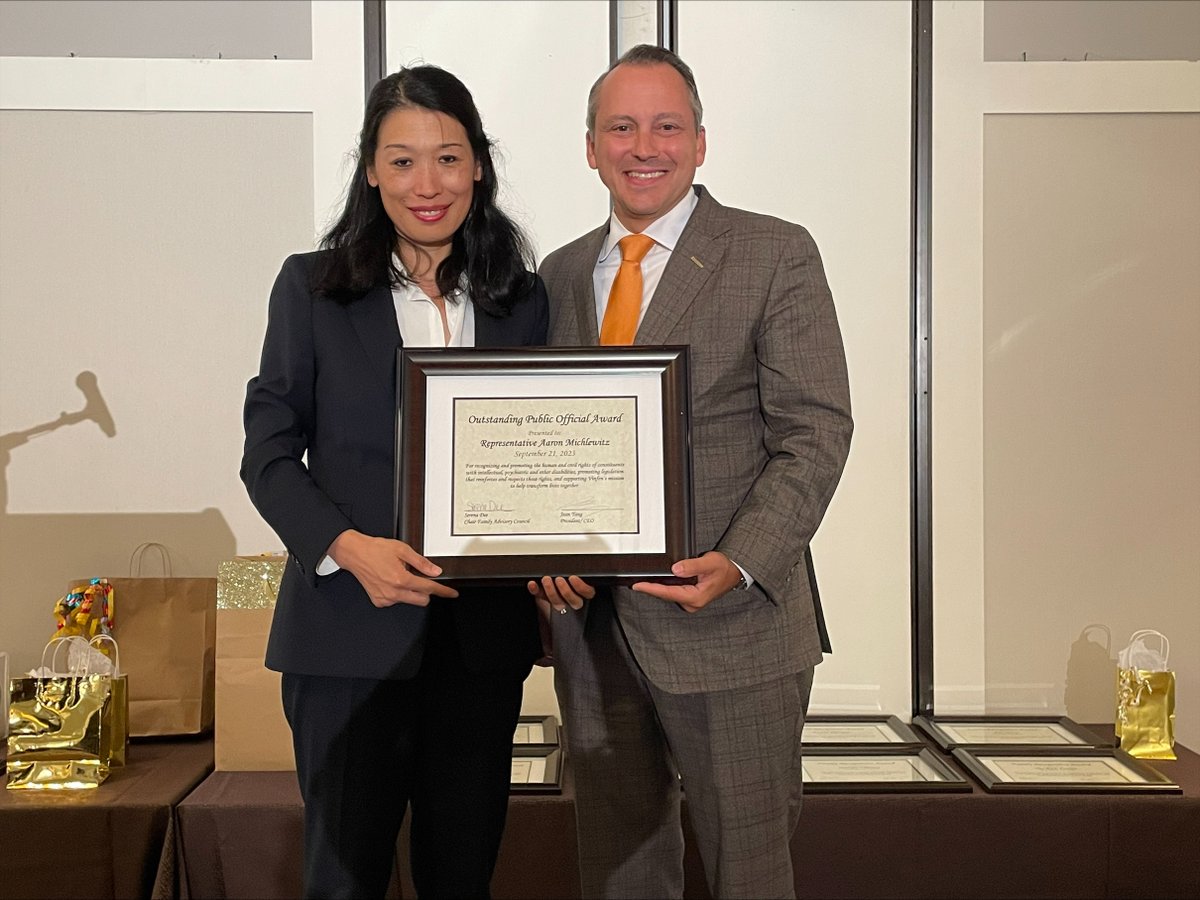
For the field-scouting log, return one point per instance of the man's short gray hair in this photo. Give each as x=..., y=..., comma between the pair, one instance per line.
x=648, y=55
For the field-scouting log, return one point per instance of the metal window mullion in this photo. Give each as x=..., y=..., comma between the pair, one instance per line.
x=921, y=457
x=374, y=43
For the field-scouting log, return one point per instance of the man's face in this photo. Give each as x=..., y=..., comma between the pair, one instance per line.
x=645, y=144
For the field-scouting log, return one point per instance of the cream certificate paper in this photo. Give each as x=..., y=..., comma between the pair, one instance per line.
x=528, y=770
x=850, y=733
x=868, y=769
x=1047, y=733
x=1039, y=770
x=533, y=464
x=562, y=465
x=529, y=733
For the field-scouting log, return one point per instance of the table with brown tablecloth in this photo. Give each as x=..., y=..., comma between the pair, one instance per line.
x=240, y=836
x=116, y=840
x=1004, y=845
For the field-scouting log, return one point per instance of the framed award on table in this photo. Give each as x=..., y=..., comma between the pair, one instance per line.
x=536, y=731
x=871, y=770
x=876, y=731
x=536, y=770
x=517, y=463
x=1062, y=770
x=949, y=732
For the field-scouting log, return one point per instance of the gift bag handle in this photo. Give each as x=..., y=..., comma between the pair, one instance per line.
x=1164, y=644
x=52, y=668
x=66, y=642
x=116, y=654
x=139, y=552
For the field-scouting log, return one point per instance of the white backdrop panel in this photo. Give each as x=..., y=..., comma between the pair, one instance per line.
x=968, y=535
x=136, y=247
x=812, y=125
x=529, y=66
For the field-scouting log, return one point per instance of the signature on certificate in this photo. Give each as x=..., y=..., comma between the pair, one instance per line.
x=487, y=506
x=589, y=504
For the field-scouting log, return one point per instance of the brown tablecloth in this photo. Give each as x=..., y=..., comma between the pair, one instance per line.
x=240, y=836
x=1012, y=845
x=107, y=842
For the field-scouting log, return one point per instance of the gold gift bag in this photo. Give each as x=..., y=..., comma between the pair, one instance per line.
x=5, y=693
x=116, y=714
x=1145, y=719
x=57, y=736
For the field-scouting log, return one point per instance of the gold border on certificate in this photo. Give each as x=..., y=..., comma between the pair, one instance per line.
x=517, y=463
x=1066, y=770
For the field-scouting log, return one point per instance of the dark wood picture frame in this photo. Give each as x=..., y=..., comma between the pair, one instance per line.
x=976, y=761
x=549, y=729
x=540, y=365
x=905, y=737
x=1077, y=735
x=945, y=779
x=551, y=781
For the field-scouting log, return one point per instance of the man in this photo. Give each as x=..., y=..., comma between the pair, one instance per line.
x=705, y=684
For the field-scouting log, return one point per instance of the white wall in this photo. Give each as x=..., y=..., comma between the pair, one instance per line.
x=813, y=126
x=995, y=603
x=148, y=205
x=807, y=110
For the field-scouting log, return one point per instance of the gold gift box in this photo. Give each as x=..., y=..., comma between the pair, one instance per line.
x=250, y=582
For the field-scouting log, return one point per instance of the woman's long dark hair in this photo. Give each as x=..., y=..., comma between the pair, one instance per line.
x=488, y=250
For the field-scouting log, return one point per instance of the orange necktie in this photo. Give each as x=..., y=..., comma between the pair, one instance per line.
x=625, y=298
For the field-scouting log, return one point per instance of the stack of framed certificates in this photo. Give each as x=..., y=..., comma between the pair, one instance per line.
x=871, y=754
x=537, y=757
x=1040, y=754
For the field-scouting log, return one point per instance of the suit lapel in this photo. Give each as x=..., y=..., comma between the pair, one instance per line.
x=695, y=258
x=485, y=328
x=374, y=319
x=583, y=290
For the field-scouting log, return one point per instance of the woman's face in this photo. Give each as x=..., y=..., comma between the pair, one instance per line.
x=426, y=175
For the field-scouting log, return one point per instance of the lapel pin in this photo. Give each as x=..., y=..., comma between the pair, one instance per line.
x=697, y=262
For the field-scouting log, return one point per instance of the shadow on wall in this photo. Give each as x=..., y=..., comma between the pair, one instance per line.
x=1091, y=688
x=40, y=554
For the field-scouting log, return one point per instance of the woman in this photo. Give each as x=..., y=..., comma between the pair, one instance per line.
x=399, y=690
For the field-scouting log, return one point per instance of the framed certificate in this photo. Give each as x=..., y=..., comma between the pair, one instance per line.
x=536, y=770
x=536, y=731
x=517, y=463
x=878, y=731
x=1062, y=770
x=863, y=770
x=998, y=731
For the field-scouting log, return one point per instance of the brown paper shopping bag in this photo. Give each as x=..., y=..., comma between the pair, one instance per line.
x=166, y=627
x=251, y=733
